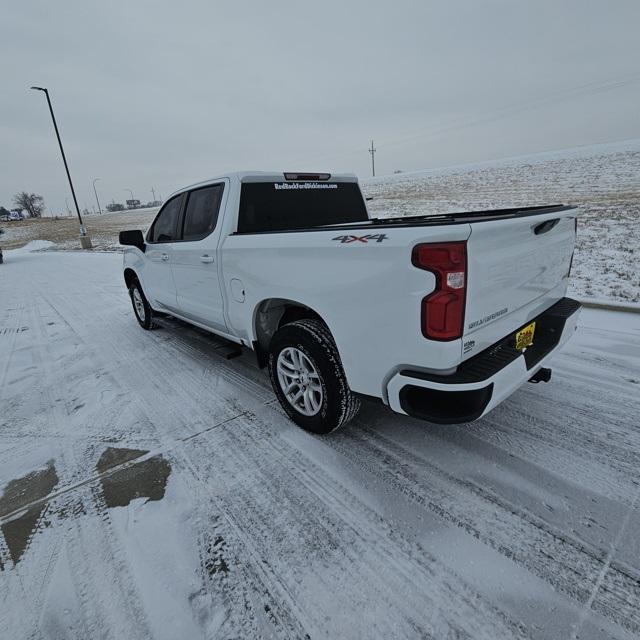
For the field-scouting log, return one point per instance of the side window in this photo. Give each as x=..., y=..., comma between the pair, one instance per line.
x=201, y=213
x=165, y=226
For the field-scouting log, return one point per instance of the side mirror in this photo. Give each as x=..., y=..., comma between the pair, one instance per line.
x=132, y=238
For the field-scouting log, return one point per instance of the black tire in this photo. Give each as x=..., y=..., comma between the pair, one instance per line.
x=313, y=339
x=145, y=315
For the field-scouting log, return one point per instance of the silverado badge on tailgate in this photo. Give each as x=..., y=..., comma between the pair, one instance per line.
x=524, y=337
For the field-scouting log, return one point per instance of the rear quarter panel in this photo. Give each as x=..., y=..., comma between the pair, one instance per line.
x=368, y=293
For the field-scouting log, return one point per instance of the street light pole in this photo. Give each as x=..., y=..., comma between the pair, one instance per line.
x=86, y=244
x=96, y=194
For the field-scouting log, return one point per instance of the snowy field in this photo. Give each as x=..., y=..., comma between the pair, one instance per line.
x=151, y=488
x=63, y=232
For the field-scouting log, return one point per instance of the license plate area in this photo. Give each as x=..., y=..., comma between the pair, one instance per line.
x=524, y=337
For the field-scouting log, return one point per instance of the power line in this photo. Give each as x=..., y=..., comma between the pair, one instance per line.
x=587, y=89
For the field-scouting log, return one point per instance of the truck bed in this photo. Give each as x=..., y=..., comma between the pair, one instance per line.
x=465, y=217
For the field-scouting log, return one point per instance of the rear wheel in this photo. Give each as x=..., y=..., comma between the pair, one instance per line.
x=308, y=378
x=141, y=307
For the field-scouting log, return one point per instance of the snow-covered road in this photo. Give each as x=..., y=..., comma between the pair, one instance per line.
x=149, y=487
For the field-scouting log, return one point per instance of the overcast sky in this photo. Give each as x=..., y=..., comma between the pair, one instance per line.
x=162, y=94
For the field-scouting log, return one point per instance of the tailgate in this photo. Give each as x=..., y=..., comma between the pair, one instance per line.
x=516, y=268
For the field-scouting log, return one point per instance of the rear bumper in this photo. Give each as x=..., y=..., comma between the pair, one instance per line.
x=485, y=380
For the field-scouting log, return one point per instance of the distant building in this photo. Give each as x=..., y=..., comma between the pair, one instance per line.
x=133, y=204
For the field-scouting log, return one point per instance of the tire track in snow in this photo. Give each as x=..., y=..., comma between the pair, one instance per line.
x=199, y=355
x=241, y=578
x=145, y=407
x=13, y=338
x=629, y=578
x=324, y=519
x=26, y=583
x=121, y=578
x=563, y=561
x=558, y=442
x=196, y=355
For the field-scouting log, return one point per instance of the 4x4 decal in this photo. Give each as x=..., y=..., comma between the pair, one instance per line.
x=378, y=237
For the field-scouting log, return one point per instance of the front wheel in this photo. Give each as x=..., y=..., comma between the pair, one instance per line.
x=141, y=307
x=308, y=378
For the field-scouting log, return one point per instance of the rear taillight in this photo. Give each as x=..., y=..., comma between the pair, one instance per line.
x=443, y=310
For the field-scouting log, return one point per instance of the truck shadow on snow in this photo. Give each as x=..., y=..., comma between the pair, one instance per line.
x=212, y=352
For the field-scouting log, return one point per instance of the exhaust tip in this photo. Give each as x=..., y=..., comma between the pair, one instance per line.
x=542, y=375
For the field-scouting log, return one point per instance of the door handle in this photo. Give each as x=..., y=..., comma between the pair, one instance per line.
x=164, y=256
x=545, y=226
x=206, y=258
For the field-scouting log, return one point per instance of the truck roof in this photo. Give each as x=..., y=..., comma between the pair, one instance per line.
x=275, y=176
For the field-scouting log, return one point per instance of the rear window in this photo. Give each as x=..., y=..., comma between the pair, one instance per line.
x=201, y=213
x=277, y=206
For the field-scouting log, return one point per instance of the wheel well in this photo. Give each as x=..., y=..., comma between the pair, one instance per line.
x=274, y=313
x=129, y=277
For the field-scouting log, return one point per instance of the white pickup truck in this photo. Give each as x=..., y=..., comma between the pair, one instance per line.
x=441, y=317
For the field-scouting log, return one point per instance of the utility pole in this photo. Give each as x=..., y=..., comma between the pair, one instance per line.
x=153, y=193
x=372, y=151
x=96, y=194
x=85, y=241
